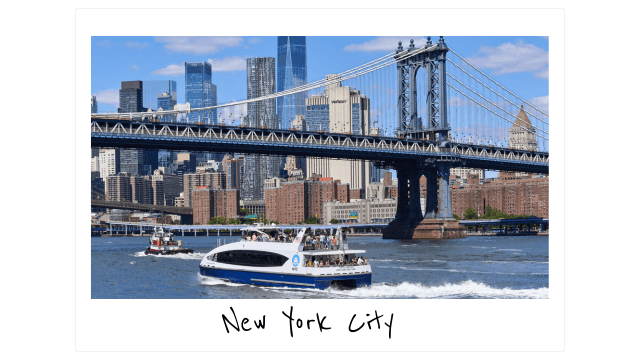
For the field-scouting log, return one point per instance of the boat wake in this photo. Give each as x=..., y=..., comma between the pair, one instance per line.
x=192, y=256
x=465, y=290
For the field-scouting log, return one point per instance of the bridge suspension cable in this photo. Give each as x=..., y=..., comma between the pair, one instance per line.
x=374, y=65
x=468, y=97
x=495, y=82
x=483, y=84
x=485, y=99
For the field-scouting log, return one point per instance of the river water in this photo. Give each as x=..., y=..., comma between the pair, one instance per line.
x=476, y=267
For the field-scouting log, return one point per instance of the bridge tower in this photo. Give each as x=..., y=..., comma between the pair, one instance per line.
x=438, y=221
x=433, y=62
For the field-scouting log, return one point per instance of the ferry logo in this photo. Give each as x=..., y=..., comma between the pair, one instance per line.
x=296, y=260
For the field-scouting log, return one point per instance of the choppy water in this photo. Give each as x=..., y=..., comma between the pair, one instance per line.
x=471, y=268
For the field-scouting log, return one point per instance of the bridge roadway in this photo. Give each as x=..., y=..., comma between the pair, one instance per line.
x=127, y=205
x=386, y=151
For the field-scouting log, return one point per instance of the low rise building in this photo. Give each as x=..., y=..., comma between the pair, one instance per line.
x=360, y=211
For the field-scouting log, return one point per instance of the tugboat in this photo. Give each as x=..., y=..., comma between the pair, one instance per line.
x=162, y=243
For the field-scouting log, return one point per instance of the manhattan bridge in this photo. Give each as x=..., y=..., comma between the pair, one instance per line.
x=430, y=110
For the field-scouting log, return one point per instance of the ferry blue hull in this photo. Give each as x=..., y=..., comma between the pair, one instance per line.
x=287, y=280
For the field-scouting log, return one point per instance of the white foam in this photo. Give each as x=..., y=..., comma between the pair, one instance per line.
x=509, y=249
x=192, y=256
x=132, y=263
x=464, y=289
x=205, y=280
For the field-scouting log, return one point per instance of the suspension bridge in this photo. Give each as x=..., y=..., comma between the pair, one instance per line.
x=424, y=118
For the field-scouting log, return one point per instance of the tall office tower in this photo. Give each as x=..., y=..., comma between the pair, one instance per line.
x=131, y=97
x=131, y=161
x=261, y=81
x=94, y=105
x=340, y=110
x=166, y=101
x=109, y=162
x=292, y=72
x=233, y=168
x=152, y=90
x=200, y=92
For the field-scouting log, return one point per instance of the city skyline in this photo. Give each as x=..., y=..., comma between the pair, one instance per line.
x=519, y=63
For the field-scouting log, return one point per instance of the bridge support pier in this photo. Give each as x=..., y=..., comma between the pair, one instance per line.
x=438, y=222
x=125, y=229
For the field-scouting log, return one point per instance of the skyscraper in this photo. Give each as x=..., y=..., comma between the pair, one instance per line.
x=152, y=90
x=131, y=97
x=261, y=81
x=94, y=105
x=200, y=92
x=340, y=109
x=292, y=72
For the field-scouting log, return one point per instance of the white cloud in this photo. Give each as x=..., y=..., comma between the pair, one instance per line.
x=511, y=58
x=173, y=69
x=198, y=44
x=541, y=102
x=232, y=63
x=255, y=41
x=388, y=43
x=137, y=45
x=110, y=97
x=105, y=43
x=135, y=67
x=542, y=74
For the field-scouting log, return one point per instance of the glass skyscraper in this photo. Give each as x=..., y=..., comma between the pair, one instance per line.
x=261, y=81
x=153, y=88
x=292, y=72
x=200, y=92
x=94, y=104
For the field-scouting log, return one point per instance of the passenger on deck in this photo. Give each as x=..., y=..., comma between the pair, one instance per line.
x=315, y=263
x=253, y=237
x=321, y=264
x=333, y=243
x=310, y=263
x=366, y=261
x=360, y=261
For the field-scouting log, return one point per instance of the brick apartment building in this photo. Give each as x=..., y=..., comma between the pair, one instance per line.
x=212, y=179
x=509, y=194
x=292, y=202
x=208, y=203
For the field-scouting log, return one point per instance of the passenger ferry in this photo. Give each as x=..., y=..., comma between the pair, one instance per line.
x=268, y=256
x=162, y=243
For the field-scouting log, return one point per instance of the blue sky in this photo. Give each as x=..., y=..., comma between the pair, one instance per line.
x=519, y=63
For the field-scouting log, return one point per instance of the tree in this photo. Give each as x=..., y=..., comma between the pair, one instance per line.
x=470, y=214
x=244, y=212
x=334, y=221
x=312, y=220
x=456, y=217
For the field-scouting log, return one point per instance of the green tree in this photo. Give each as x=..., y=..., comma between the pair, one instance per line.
x=470, y=214
x=334, y=221
x=244, y=212
x=312, y=220
x=456, y=217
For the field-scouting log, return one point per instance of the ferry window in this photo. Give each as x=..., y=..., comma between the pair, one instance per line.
x=251, y=258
